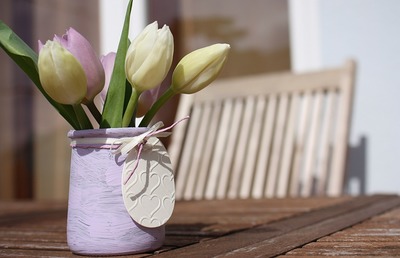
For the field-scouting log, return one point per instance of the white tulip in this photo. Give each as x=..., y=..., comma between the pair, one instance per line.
x=149, y=57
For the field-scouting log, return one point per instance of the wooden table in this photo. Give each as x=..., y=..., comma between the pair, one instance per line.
x=345, y=226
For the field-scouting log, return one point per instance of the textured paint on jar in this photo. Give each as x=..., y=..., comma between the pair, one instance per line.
x=98, y=222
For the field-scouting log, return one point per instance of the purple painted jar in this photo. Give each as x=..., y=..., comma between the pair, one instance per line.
x=98, y=222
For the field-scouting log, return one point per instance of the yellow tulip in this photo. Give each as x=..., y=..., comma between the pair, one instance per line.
x=199, y=68
x=61, y=75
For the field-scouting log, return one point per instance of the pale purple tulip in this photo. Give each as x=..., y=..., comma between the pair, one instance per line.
x=81, y=49
x=108, y=64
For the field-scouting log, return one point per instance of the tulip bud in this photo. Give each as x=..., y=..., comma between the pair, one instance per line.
x=80, y=47
x=145, y=101
x=149, y=57
x=199, y=68
x=61, y=75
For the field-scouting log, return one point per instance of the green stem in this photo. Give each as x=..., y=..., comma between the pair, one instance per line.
x=83, y=120
x=130, y=109
x=94, y=111
x=169, y=93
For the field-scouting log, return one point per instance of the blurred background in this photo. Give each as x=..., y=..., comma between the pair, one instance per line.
x=266, y=36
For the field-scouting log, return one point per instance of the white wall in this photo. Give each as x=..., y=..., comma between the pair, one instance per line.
x=325, y=33
x=112, y=15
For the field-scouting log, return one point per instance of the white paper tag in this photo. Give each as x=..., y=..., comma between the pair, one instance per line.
x=149, y=195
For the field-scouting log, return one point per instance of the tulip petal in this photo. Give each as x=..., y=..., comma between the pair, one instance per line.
x=108, y=64
x=144, y=45
x=80, y=47
x=40, y=45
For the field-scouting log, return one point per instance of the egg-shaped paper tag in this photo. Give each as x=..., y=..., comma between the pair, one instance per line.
x=149, y=194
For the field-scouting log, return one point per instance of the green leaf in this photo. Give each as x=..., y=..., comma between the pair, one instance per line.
x=113, y=109
x=27, y=59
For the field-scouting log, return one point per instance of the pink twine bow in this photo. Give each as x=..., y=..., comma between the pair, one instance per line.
x=141, y=140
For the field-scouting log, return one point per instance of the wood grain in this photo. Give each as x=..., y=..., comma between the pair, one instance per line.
x=377, y=236
x=277, y=238
x=345, y=226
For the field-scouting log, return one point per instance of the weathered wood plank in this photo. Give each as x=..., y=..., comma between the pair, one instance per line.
x=284, y=235
x=229, y=154
x=27, y=235
x=265, y=140
x=35, y=216
x=50, y=254
x=34, y=253
x=276, y=151
x=299, y=237
x=174, y=241
x=360, y=249
x=379, y=235
x=4, y=244
x=216, y=173
x=29, y=229
x=233, y=215
x=231, y=228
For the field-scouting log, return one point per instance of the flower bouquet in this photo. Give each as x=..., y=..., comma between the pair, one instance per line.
x=121, y=184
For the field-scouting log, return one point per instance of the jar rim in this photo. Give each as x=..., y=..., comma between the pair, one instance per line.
x=107, y=132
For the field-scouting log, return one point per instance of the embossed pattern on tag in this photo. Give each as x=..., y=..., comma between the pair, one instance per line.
x=149, y=195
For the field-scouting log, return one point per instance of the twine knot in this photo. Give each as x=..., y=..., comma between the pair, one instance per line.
x=129, y=143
